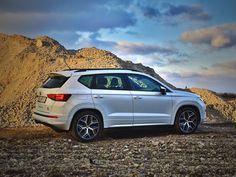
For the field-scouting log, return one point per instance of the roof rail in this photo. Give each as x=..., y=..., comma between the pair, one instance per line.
x=91, y=69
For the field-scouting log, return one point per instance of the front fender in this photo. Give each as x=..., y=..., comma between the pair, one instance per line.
x=198, y=104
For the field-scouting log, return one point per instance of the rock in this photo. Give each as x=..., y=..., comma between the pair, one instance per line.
x=155, y=143
x=84, y=163
x=201, y=144
x=202, y=159
x=125, y=150
x=39, y=43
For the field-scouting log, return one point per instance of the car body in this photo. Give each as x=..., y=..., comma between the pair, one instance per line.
x=119, y=97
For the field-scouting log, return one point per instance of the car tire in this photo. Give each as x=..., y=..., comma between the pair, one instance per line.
x=186, y=120
x=87, y=126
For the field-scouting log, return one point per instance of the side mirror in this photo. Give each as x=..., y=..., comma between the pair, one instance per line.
x=163, y=90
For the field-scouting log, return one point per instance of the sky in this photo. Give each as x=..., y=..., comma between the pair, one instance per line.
x=189, y=42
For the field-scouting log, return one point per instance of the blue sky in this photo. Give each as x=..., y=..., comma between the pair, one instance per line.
x=189, y=42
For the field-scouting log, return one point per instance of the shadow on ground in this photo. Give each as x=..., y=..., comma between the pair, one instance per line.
x=137, y=132
x=115, y=133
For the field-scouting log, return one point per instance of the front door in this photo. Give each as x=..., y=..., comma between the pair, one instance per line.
x=149, y=105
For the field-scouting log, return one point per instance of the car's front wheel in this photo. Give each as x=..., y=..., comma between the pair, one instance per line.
x=86, y=126
x=186, y=120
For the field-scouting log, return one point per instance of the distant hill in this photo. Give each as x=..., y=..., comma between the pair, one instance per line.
x=227, y=96
x=25, y=63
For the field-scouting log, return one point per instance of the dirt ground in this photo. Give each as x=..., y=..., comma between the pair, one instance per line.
x=156, y=151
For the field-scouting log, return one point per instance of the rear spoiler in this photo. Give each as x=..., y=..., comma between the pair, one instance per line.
x=62, y=73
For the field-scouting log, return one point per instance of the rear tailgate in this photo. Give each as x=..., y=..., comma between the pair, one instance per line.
x=43, y=103
x=51, y=86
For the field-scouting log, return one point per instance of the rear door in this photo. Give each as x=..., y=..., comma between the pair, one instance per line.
x=52, y=84
x=111, y=95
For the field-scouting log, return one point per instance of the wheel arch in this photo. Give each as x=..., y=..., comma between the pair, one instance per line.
x=193, y=106
x=86, y=109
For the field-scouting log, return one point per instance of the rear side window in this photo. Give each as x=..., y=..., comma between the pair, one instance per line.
x=86, y=80
x=55, y=81
x=110, y=82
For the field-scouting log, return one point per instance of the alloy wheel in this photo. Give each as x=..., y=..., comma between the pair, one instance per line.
x=88, y=127
x=188, y=121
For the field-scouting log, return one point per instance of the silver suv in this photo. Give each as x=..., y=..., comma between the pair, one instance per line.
x=85, y=101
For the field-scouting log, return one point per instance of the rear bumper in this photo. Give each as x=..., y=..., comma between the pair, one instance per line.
x=51, y=120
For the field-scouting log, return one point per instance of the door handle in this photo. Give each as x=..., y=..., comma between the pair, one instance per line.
x=137, y=97
x=97, y=96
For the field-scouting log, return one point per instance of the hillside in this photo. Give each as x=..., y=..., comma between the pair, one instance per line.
x=25, y=63
x=217, y=109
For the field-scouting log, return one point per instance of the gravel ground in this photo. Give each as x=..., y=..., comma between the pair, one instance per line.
x=157, y=151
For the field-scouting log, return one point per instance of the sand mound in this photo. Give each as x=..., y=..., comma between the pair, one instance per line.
x=217, y=108
x=25, y=63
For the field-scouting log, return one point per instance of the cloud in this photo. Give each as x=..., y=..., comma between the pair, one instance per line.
x=177, y=61
x=151, y=55
x=218, y=77
x=175, y=14
x=39, y=17
x=218, y=84
x=13, y=6
x=66, y=38
x=194, y=12
x=151, y=12
x=230, y=65
x=182, y=75
x=226, y=69
x=163, y=61
x=142, y=49
x=204, y=68
x=157, y=61
x=94, y=39
x=221, y=36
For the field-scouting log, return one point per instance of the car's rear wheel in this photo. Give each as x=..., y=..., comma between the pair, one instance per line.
x=87, y=126
x=186, y=120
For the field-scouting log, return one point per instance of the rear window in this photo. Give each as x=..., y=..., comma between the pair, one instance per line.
x=86, y=80
x=55, y=81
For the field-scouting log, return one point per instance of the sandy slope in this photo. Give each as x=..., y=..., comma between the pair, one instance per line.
x=218, y=110
x=25, y=63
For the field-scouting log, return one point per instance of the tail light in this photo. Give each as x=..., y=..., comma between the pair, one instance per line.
x=59, y=97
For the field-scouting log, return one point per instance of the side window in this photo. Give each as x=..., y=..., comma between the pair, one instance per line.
x=86, y=80
x=143, y=83
x=110, y=82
